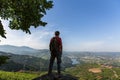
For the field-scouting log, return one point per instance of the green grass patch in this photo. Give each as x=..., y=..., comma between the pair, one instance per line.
x=17, y=76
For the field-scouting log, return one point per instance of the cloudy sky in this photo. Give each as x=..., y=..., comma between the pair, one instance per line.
x=85, y=25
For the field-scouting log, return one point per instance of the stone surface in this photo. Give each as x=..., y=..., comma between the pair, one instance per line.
x=54, y=76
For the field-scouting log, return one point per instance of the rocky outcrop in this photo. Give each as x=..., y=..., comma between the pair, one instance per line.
x=54, y=76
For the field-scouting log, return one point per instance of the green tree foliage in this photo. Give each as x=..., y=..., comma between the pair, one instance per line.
x=2, y=31
x=3, y=59
x=23, y=13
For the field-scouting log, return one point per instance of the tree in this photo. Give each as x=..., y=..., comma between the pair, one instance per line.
x=3, y=59
x=22, y=14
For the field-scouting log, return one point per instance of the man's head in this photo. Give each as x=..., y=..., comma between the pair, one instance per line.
x=57, y=33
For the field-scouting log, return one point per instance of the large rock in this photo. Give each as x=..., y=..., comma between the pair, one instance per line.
x=54, y=76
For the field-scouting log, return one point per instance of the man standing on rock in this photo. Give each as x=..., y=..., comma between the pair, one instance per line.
x=55, y=47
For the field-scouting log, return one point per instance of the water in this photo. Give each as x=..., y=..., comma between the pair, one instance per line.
x=74, y=61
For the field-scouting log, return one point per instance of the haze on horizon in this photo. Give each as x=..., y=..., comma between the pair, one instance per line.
x=85, y=25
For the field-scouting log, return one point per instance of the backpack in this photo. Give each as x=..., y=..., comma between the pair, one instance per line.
x=54, y=45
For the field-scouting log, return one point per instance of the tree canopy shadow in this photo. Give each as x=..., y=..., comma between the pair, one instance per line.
x=54, y=77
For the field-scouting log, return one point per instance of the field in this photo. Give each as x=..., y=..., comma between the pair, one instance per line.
x=94, y=72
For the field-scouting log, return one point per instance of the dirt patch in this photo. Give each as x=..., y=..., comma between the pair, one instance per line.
x=95, y=70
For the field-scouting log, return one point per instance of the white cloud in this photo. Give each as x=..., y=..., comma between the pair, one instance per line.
x=38, y=39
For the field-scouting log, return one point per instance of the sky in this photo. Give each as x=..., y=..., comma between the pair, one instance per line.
x=85, y=25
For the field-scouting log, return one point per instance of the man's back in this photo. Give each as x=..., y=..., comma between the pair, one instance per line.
x=56, y=44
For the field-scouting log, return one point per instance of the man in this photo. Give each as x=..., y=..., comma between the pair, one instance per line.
x=55, y=47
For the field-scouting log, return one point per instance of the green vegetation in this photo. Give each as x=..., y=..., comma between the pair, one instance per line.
x=83, y=73
x=16, y=76
x=3, y=59
x=117, y=70
x=18, y=12
x=80, y=71
x=30, y=63
x=90, y=67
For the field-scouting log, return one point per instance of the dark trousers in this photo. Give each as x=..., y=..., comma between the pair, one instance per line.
x=54, y=55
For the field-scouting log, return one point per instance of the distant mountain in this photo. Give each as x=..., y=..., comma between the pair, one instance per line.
x=21, y=50
x=24, y=50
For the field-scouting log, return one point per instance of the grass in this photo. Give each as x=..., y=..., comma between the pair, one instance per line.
x=17, y=76
x=80, y=71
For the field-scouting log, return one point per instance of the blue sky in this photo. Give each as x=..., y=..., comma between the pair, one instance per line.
x=85, y=25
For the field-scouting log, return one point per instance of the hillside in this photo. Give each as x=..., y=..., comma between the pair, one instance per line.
x=30, y=63
x=75, y=65
x=79, y=72
x=94, y=72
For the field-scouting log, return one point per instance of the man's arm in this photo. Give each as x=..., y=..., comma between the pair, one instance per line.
x=61, y=47
x=50, y=45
